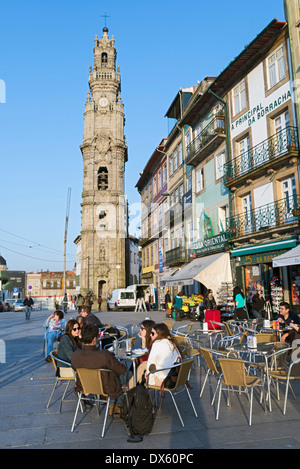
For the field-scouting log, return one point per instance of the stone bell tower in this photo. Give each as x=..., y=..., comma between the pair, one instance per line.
x=104, y=153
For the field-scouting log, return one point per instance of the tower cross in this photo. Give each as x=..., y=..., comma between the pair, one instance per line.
x=105, y=16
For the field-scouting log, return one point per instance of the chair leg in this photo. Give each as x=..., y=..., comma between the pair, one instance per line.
x=204, y=383
x=76, y=411
x=216, y=390
x=173, y=399
x=64, y=395
x=251, y=404
x=219, y=400
x=191, y=401
x=50, y=399
x=105, y=417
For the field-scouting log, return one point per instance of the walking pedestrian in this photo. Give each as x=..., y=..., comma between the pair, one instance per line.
x=28, y=302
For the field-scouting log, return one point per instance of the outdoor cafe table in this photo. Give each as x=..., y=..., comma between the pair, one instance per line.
x=122, y=354
x=210, y=333
x=262, y=350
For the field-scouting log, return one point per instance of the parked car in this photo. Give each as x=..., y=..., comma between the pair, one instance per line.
x=11, y=302
x=122, y=299
x=19, y=305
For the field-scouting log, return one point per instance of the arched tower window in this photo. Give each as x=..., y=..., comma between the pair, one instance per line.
x=104, y=59
x=102, y=178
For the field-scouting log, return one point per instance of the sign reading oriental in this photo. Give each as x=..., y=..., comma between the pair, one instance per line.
x=209, y=245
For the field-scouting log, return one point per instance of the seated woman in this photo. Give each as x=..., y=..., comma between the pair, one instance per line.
x=54, y=325
x=164, y=352
x=69, y=342
x=141, y=362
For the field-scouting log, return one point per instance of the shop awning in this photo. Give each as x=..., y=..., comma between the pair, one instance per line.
x=291, y=257
x=252, y=249
x=164, y=277
x=211, y=271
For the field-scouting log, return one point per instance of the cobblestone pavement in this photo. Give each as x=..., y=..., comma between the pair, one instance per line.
x=26, y=381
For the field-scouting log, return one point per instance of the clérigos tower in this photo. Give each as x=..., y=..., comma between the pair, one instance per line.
x=104, y=153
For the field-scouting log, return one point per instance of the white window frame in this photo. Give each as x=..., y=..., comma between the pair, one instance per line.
x=200, y=179
x=239, y=97
x=220, y=162
x=276, y=69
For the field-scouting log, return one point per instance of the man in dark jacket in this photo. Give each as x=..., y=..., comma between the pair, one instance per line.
x=92, y=357
x=28, y=302
x=90, y=318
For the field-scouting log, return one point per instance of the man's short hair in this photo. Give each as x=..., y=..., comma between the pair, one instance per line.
x=89, y=332
x=86, y=309
x=285, y=304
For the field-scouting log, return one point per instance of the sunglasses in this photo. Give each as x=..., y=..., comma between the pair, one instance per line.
x=76, y=328
x=153, y=333
x=142, y=328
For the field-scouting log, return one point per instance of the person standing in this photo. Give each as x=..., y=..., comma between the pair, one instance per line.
x=28, y=302
x=258, y=304
x=79, y=303
x=239, y=299
x=209, y=301
x=99, y=302
x=65, y=303
x=167, y=299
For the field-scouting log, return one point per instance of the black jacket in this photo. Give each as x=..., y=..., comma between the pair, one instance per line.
x=28, y=302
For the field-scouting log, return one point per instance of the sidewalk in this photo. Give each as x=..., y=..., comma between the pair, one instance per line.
x=26, y=381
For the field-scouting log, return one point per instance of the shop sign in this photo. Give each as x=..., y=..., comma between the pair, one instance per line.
x=260, y=110
x=260, y=258
x=216, y=243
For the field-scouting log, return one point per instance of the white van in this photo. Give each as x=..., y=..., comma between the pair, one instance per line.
x=122, y=299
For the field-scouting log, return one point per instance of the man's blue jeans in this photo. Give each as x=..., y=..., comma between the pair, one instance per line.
x=27, y=312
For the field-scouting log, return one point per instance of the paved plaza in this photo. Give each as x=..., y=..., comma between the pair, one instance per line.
x=26, y=381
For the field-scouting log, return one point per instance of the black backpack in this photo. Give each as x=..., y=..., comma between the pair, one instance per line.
x=139, y=416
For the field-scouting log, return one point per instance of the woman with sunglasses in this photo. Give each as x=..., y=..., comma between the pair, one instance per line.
x=69, y=342
x=146, y=338
x=164, y=352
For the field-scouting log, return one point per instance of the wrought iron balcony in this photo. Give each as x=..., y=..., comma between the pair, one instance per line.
x=279, y=213
x=282, y=143
x=207, y=141
x=175, y=256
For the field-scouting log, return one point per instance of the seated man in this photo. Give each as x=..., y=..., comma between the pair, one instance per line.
x=89, y=356
x=90, y=318
x=288, y=318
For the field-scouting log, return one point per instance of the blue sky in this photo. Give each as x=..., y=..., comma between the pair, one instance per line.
x=46, y=49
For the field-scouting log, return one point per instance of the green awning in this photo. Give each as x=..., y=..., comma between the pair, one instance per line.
x=252, y=249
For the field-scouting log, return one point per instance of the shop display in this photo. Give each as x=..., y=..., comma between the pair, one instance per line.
x=225, y=297
x=276, y=294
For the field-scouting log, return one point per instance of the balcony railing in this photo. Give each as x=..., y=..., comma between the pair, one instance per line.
x=279, y=213
x=281, y=143
x=175, y=256
x=215, y=128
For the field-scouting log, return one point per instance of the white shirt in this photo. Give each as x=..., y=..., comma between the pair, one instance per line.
x=163, y=354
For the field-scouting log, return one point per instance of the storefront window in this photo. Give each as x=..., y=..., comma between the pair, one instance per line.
x=253, y=281
x=295, y=284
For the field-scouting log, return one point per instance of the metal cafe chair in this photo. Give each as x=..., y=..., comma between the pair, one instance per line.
x=234, y=376
x=63, y=374
x=180, y=386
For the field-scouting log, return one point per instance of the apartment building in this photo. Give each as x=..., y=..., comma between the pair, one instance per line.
x=232, y=188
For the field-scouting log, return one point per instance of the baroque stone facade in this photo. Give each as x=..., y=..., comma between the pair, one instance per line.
x=104, y=153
